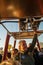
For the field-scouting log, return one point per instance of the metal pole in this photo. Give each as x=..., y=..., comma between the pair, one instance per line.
x=6, y=46
x=14, y=43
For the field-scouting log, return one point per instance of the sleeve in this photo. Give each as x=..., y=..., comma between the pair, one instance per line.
x=33, y=43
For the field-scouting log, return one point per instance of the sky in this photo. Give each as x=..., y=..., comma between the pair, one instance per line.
x=13, y=27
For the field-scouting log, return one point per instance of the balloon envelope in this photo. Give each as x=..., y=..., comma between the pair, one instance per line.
x=21, y=8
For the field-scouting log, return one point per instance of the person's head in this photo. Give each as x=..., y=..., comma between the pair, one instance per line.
x=22, y=45
x=9, y=55
x=0, y=58
x=14, y=51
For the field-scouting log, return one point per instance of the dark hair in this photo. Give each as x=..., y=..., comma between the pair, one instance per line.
x=9, y=55
x=0, y=58
x=16, y=49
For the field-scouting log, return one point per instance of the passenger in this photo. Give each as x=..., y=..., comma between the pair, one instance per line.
x=9, y=61
x=9, y=55
x=14, y=53
x=14, y=57
x=25, y=55
x=8, y=58
x=0, y=58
